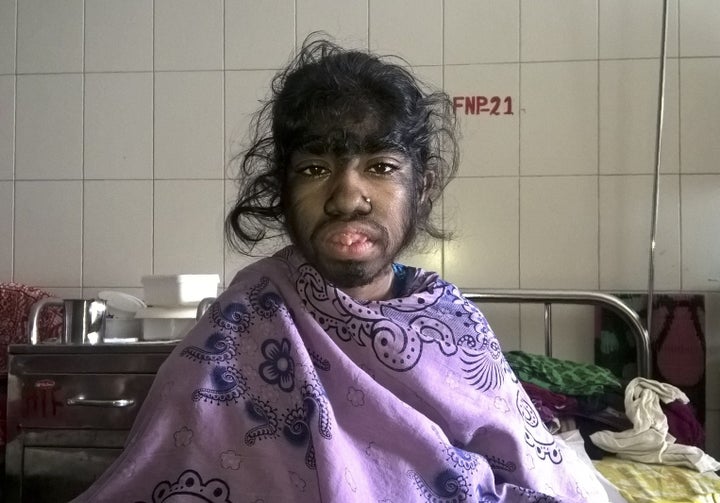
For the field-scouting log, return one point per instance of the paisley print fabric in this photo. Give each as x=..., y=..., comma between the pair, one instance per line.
x=288, y=390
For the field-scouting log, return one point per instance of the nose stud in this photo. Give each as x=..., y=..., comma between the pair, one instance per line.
x=369, y=205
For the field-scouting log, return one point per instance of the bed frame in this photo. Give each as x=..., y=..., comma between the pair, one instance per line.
x=590, y=298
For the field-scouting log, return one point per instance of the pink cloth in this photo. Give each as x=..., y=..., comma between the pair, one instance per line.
x=15, y=302
x=287, y=390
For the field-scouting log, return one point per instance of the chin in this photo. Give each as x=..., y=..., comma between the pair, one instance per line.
x=349, y=274
x=346, y=273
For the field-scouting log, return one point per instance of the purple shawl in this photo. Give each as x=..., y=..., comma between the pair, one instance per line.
x=288, y=390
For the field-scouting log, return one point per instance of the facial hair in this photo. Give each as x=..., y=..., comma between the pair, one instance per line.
x=352, y=273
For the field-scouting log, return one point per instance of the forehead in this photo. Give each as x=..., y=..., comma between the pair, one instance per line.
x=343, y=135
x=345, y=124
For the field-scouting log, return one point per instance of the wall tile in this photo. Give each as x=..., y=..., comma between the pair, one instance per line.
x=346, y=21
x=573, y=329
x=625, y=224
x=559, y=125
x=118, y=125
x=428, y=256
x=117, y=232
x=699, y=34
x=244, y=93
x=247, y=25
x=188, y=227
x=64, y=292
x=555, y=30
x=188, y=35
x=50, y=36
x=482, y=31
x=628, y=117
x=118, y=35
x=8, y=15
x=393, y=31
x=188, y=125
x=49, y=127
x=476, y=209
x=634, y=29
x=700, y=199
x=7, y=126
x=564, y=207
x=700, y=115
x=6, y=230
x=430, y=76
x=487, y=106
x=48, y=233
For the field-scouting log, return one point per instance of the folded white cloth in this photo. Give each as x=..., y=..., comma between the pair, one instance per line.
x=649, y=441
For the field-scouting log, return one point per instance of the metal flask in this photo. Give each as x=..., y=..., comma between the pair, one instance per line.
x=84, y=320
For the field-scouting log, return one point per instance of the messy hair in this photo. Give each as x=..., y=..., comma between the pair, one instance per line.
x=325, y=96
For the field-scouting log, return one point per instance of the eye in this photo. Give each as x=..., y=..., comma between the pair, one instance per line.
x=312, y=170
x=382, y=168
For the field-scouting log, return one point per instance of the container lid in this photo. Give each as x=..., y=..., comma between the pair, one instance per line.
x=167, y=312
x=121, y=304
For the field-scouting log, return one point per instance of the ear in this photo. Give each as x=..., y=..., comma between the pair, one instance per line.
x=428, y=182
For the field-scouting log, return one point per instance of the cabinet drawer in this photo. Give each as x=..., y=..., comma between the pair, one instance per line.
x=93, y=401
x=95, y=363
x=52, y=474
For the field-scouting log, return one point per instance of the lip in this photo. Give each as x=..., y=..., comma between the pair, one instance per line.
x=347, y=241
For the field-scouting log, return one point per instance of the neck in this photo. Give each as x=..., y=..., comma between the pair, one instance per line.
x=381, y=288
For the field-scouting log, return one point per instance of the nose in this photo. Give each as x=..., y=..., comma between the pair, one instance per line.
x=345, y=196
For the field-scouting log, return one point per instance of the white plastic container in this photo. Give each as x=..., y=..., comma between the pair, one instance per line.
x=121, y=325
x=179, y=289
x=164, y=324
x=122, y=330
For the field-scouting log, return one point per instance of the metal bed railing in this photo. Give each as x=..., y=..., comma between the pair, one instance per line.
x=590, y=298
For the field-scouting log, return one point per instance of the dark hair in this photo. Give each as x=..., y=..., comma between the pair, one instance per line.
x=325, y=92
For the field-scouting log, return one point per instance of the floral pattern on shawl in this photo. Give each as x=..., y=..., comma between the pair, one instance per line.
x=398, y=329
x=290, y=390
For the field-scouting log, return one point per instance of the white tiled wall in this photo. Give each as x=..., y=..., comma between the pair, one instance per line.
x=628, y=105
x=558, y=118
x=625, y=227
x=119, y=36
x=633, y=29
x=117, y=121
x=490, y=146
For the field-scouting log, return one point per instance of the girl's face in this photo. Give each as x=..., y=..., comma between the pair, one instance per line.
x=350, y=240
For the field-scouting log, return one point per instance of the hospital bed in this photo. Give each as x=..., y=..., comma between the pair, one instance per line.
x=634, y=481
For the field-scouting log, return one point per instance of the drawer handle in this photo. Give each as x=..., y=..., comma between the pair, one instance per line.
x=81, y=400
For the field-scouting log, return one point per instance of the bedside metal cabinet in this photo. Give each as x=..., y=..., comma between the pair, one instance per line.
x=70, y=408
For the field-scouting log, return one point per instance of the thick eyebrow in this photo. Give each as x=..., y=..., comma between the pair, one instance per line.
x=313, y=146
